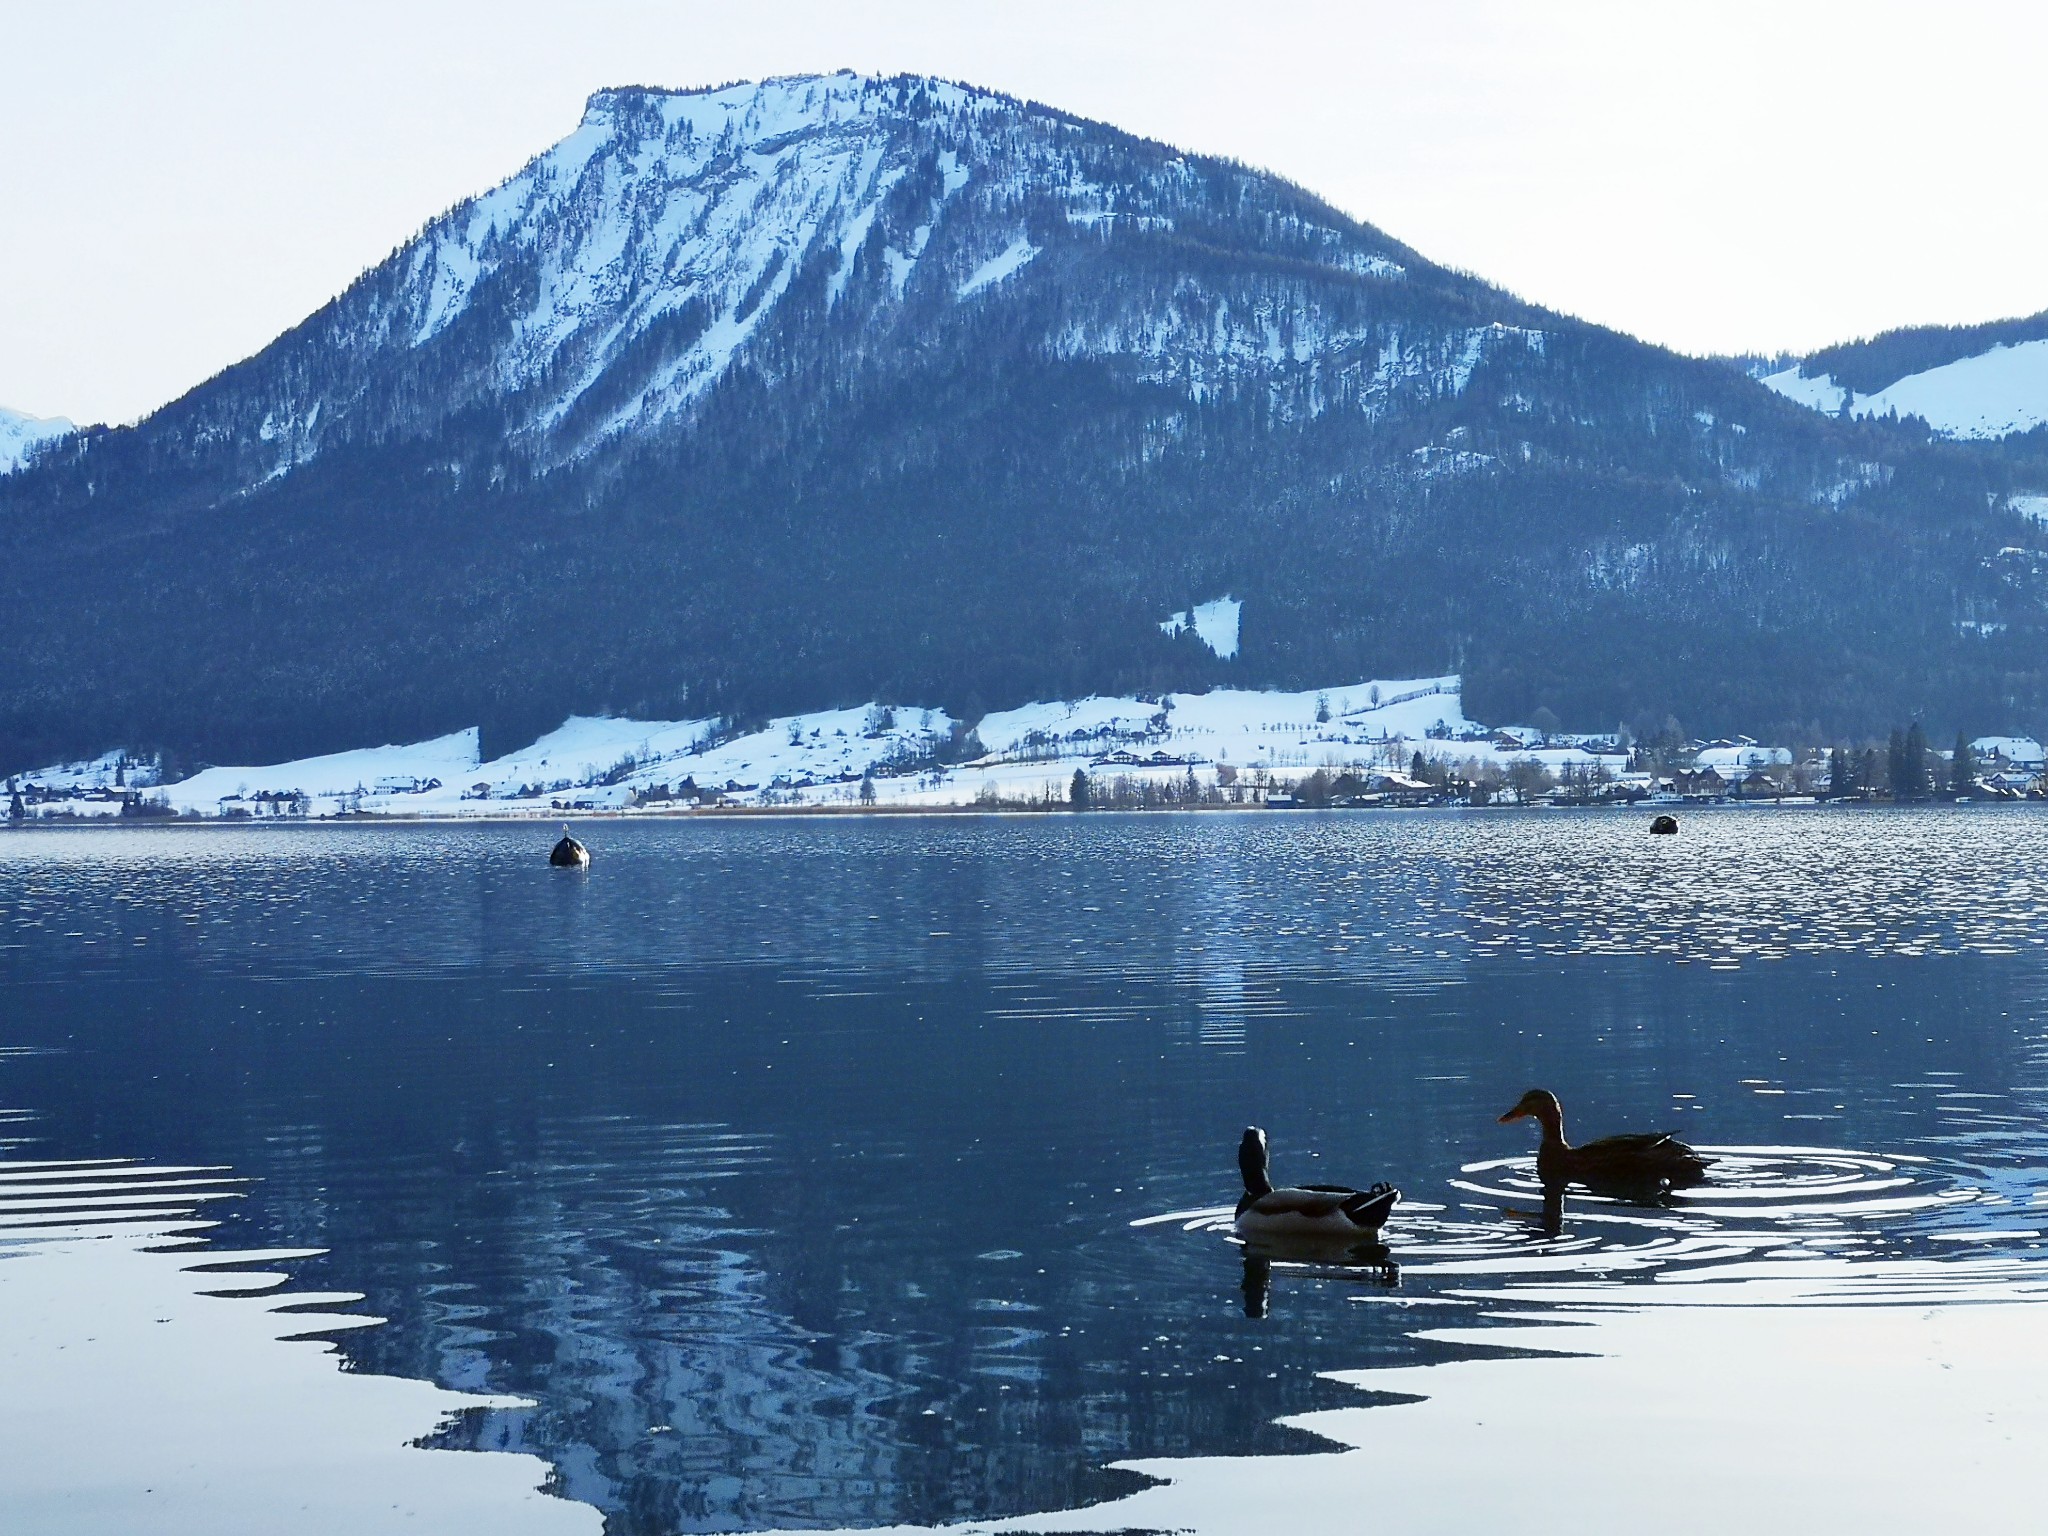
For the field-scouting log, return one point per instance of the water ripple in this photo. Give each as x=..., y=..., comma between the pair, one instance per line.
x=1775, y=1203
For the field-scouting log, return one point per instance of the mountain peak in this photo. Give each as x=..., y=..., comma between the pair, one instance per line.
x=773, y=107
x=23, y=436
x=611, y=282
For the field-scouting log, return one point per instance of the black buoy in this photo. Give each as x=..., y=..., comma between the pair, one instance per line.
x=569, y=854
x=1664, y=825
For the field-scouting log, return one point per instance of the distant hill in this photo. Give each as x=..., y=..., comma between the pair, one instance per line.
x=1880, y=362
x=1964, y=381
x=804, y=393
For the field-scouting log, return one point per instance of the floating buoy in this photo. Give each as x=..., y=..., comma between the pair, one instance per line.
x=1664, y=825
x=569, y=854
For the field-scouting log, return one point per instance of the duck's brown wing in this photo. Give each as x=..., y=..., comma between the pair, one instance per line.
x=1641, y=1144
x=1649, y=1154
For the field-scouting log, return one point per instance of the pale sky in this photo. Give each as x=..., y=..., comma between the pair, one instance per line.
x=181, y=182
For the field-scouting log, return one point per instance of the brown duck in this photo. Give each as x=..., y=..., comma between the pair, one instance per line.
x=1642, y=1166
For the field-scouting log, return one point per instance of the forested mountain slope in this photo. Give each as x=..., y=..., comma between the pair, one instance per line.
x=819, y=390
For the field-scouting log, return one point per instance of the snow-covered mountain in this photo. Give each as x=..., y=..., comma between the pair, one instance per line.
x=602, y=291
x=785, y=396
x=1970, y=382
x=21, y=436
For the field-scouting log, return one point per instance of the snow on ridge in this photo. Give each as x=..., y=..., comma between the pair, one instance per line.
x=1992, y=394
x=1207, y=343
x=753, y=112
x=23, y=436
x=1371, y=266
x=661, y=200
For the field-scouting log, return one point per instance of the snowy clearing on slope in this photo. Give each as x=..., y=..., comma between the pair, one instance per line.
x=997, y=267
x=2032, y=506
x=1992, y=394
x=1214, y=624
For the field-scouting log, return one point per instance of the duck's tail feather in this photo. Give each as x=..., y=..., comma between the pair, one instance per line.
x=1369, y=1207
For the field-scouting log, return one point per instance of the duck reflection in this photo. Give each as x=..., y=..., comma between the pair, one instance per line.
x=1550, y=1220
x=1371, y=1262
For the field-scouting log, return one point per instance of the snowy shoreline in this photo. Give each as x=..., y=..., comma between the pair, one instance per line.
x=1403, y=742
x=1238, y=745
x=396, y=820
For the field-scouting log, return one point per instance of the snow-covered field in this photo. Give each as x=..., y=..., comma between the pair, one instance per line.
x=885, y=756
x=1994, y=393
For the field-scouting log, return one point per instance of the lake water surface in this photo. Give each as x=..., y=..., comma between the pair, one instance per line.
x=854, y=1173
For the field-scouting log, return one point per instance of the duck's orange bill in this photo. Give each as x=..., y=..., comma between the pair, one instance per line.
x=1514, y=1114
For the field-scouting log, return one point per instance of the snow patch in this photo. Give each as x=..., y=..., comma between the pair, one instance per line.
x=1011, y=259
x=1214, y=624
x=1731, y=762
x=1819, y=394
x=2031, y=505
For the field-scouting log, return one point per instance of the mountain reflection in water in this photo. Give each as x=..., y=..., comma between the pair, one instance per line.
x=149, y=1382
x=812, y=1173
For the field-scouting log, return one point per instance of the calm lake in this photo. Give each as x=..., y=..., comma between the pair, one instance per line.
x=855, y=1173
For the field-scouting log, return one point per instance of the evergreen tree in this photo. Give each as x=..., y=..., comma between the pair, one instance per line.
x=1916, y=762
x=1962, y=769
x=1895, y=765
x=1841, y=778
x=867, y=788
x=1077, y=791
